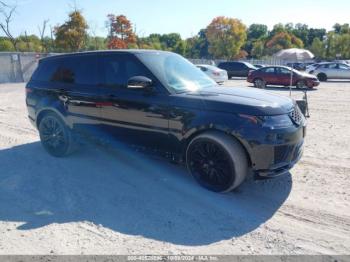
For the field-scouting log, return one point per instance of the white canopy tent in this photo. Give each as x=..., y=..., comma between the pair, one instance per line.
x=295, y=54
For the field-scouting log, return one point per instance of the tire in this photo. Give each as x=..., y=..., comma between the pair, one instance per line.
x=322, y=77
x=217, y=161
x=259, y=83
x=55, y=136
x=301, y=84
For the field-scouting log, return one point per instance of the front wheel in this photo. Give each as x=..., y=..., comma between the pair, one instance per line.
x=217, y=161
x=55, y=137
x=259, y=83
x=301, y=84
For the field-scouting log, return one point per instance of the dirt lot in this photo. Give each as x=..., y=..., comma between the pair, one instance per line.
x=112, y=202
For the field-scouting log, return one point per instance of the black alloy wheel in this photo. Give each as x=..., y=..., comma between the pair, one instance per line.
x=55, y=136
x=211, y=165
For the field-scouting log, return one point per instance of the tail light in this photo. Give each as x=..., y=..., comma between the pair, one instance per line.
x=216, y=73
x=28, y=90
x=250, y=72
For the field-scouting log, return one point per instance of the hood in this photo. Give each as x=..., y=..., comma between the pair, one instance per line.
x=307, y=75
x=244, y=101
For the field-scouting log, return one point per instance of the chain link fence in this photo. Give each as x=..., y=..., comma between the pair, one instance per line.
x=18, y=67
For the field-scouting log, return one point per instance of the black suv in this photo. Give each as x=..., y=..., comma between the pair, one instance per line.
x=160, y=100
x=239, y=69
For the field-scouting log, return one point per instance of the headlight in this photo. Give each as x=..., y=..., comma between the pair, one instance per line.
x=275, y=122
x=272, y=122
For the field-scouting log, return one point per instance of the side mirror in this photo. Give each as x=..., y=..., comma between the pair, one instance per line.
x=140, y=82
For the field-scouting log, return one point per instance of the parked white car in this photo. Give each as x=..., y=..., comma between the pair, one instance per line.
x=331, y=70
x=219, y=75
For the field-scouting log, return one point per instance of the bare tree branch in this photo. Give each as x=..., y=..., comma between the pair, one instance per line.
x=42, y=34
x=3, y=4
x=5, y=25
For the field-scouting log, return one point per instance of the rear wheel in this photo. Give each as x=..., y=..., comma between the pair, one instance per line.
x=55, y=136
x=322, y=77
x=217, y=162
x=259, y=83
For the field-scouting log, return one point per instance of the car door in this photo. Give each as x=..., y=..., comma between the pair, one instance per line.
x=283, y=76
x=133, y=115
x=242, y=70
x=332, y=71
x=269, y=75
x=75, y=82
x=343, y=71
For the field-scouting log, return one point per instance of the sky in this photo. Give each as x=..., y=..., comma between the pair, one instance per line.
x=186, y=17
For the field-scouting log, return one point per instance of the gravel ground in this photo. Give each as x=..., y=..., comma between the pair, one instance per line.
x=102, y=201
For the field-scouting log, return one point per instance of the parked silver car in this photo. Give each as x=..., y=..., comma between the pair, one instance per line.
x=331, y=70
x=219, y=75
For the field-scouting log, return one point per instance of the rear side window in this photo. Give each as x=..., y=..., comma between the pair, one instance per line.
x=283, y=71
x=223, y=65
x=268, y=70
x=45, y=70
x=79, y=70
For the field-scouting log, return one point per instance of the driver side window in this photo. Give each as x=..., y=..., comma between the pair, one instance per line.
x=118, y=69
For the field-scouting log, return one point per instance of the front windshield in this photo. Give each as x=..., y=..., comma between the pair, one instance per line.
x=176, y=72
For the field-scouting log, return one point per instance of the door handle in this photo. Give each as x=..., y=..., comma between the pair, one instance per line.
x=63, y=98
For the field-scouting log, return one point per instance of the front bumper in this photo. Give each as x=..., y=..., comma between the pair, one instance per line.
x=291, y=158
x=313, y=83
x=278, y=152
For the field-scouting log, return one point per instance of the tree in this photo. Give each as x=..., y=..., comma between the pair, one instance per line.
x=338, y=44
x=6, y=45
x=121, y=34
x=254, y=33
x=180, y=47
x=317, y=48
x=7, y=13
x=283, y=40
x=319, y=33
x=302, y=32
x=29, y=43
x=197, y=46
x=257, y=31
x=96, y=43
x=71, y=36
x=170, y=40
x=258, y=49
x=226, y=36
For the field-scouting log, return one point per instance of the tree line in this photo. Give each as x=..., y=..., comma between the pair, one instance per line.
x=223, y=38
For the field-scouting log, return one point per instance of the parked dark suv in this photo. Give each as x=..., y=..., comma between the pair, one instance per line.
x=239, y=69
x=160, y=100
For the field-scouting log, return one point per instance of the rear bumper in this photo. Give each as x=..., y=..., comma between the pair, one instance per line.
x=220, y=79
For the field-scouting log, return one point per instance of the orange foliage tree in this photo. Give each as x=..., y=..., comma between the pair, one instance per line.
x=283, y=40
x=121, y=34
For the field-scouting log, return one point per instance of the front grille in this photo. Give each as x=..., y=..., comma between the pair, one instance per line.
x=296, y=115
